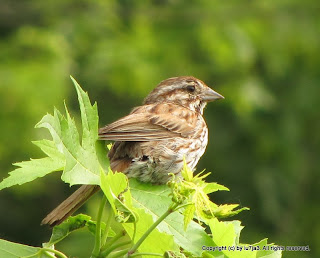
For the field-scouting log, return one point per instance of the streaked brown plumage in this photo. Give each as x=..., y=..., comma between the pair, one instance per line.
x=154, y=138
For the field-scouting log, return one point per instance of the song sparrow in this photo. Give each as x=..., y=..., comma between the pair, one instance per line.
x=154, y=138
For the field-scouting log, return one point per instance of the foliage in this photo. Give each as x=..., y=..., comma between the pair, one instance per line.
x=149, y=220
x=263, y=56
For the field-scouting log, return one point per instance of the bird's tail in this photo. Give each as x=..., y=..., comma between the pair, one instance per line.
x=70, y=205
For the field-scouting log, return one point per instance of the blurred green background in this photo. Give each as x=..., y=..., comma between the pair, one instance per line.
x=263, y=56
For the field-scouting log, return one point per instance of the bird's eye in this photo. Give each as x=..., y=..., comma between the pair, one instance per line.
x=191, y=88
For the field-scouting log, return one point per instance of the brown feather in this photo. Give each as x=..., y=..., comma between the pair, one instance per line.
x=71, y=204
x=151, y=123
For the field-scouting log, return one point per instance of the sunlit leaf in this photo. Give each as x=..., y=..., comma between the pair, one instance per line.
x=213, y=187
x=34, y=168
x=227, y=210
x=82, y=164
x=155, y=200
x=156, y=242
x=268, y=250
x=188, y=215
x=115, y=187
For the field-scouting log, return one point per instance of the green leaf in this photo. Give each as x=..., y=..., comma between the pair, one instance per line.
x=14, y=250
x=171, y=254
x=156, y=242
x=82, y=164
x=65, y=228
x=92, y=228
x=196, y=190
x=155, y=200
x=89, y=118
x=74, y=223
x=186, y=172
x=30, y=170
x=49, y=148
x=79, y=162
x=213, y=187
x=227, y=233
x=113, y=184
x=267, y=250
x=237, y=229
x=101, y=152
x=224, y=234
x=188, y=215
x=115, y=187
x=227, y=210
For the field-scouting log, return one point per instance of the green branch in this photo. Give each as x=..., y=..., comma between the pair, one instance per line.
x=56, y=252
x=106, y=232
x=114, y=247
x=118, y=253
x=97, y=244
x=148, y=254
x=171, y=209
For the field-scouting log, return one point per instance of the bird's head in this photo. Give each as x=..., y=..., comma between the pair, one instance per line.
x=186, y=91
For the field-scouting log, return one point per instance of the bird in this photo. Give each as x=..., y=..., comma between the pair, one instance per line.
x=152, y=142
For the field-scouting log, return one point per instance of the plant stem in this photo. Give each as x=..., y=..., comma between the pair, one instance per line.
x=106, y=232
x=154, y=225
x=118, y=253
x=134, y=230
x=141, y=254
x=56, y=252
x=183, y=205
x=116, y=237
x=113, y=247
x=97, y=244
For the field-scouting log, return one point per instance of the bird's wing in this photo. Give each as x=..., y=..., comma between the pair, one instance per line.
x=151, y=123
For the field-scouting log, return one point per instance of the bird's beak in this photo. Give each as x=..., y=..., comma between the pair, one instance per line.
x=211, y=95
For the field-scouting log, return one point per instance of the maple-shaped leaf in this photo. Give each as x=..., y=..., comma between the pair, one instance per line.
x=82, y=163
x=80, y=160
